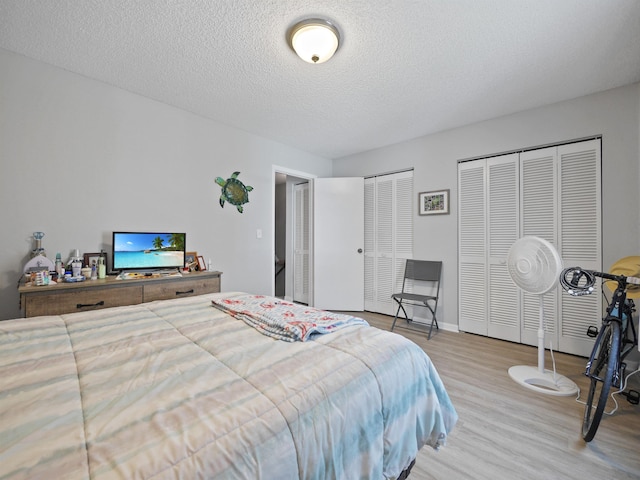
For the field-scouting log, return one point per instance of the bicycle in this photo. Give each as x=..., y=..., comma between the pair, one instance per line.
x=616, y=338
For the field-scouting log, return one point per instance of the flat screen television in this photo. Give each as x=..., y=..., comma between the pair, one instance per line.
x=148, y=250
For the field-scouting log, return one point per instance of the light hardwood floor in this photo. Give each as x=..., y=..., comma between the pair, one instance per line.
x=506, y=431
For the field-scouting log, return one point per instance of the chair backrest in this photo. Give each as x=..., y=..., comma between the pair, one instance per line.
x=423, y=270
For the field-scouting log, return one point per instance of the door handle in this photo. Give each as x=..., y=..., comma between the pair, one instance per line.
x=359, y=250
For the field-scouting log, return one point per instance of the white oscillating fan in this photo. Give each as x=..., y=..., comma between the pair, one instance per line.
x=535, y=266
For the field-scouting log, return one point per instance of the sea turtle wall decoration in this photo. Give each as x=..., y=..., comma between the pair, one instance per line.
x=234, y=191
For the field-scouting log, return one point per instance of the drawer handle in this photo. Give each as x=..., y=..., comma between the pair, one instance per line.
x=84, y=305
x=185, y=293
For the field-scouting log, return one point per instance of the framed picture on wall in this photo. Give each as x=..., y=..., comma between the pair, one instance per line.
x=433, y=203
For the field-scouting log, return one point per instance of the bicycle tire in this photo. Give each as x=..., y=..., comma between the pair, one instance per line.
x=602, y=371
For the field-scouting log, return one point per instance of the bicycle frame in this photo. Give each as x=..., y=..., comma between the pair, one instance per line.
x=618, y=311
x=605, y=367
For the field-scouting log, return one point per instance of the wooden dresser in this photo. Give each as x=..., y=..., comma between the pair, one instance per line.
x=112, y=292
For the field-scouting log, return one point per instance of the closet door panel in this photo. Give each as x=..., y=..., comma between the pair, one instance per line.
x=403, y=235
x=580, y=238
x=384, y=243
x=503, y=231
x=301, y=244
x=472, y=269
x=538, y=170
x=403, y=231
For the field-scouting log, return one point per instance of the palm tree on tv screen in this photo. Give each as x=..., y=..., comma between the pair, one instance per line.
x=157, y=243
x=177, y=241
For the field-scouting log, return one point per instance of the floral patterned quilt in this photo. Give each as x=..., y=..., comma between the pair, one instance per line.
x=284, y=320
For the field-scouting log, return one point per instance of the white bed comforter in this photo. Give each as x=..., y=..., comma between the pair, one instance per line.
x=178, y=389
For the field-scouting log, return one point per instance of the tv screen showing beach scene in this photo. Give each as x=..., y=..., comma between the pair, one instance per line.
x=146, y=250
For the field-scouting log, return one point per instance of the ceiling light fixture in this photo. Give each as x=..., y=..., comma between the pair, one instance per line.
x=314, y=40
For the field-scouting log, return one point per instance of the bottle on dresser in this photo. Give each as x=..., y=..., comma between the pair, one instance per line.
x=102, y=268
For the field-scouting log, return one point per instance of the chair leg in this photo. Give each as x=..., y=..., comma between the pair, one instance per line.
x=433, y=320
x=397, y=312
x=395, y=318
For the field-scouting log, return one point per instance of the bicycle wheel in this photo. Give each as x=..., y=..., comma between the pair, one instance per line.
x=602, y=370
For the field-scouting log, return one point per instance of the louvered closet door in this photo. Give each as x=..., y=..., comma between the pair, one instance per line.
x=559, y=200
x=503, y=231
x=472, y=283
x=301, y=244
x=388, y=237
x=580, y=238
x=384, y=276
x=403, y=237
x=539, y=205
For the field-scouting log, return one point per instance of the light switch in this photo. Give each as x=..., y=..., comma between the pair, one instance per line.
x=259, y=233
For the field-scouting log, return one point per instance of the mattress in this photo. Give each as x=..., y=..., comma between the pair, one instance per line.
x=180, y=389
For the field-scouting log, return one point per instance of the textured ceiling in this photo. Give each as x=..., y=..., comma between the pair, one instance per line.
x=404, y=68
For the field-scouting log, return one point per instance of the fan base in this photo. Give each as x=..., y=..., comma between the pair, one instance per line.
x=547, y=382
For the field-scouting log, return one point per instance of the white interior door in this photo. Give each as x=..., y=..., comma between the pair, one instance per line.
x=338, y=242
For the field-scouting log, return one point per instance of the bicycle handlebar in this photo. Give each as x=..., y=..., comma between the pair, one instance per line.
x=582, y=281
x=618, y=278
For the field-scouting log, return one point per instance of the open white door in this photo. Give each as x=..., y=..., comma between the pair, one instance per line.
x=338, y=242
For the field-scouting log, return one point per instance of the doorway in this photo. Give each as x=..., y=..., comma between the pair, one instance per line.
x=290, y=274
x=334, y=267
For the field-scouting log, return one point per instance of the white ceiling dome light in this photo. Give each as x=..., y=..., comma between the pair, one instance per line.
x=314, y=40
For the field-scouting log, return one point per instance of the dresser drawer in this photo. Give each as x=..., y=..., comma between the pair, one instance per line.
x=168, y=289
x=71, y=301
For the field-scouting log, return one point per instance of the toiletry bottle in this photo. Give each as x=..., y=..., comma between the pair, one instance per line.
x=102, y=268
x=59, y=267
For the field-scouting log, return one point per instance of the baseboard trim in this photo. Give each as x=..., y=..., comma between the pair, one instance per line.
x=449, y=327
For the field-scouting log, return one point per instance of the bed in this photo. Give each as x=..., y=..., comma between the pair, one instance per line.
x=182, y=389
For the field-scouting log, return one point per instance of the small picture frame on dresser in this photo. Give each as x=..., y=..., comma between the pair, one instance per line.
x=91, y=258
x=191, y=260
x=201, y=265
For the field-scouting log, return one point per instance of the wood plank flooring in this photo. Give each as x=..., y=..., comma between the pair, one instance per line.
x=506, y=431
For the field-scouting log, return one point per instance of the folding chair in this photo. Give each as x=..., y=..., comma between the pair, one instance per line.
x=421, y=271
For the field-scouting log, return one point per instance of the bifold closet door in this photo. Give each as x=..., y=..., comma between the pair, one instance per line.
x=553, y=193
x=561, y=192
x=301, y=244
x=388, y=237
x=489, y=302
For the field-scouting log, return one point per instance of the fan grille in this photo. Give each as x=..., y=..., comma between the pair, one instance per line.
x=534, y=265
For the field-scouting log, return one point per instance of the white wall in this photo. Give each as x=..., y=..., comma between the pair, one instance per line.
x=614, y=114
x=79, y=159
